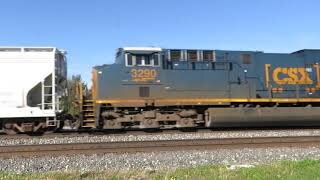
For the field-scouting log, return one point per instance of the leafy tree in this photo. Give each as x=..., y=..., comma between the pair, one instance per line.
x=71, y=101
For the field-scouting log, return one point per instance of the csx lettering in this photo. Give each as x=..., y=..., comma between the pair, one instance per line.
x=291, y=76
x=143, y=74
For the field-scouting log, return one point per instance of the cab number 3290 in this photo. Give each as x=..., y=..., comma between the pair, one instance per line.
x=143, y=74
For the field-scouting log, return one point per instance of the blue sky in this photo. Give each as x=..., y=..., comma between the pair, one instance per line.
x=91, y=30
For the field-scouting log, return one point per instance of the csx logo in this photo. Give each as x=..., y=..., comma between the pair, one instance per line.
x=282, y=75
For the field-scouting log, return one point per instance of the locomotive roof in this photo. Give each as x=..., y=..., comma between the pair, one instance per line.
x=306, y=50
x=141, y=48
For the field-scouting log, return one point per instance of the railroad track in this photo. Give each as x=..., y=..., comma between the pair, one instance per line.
x=153, y=132
x=155, y=146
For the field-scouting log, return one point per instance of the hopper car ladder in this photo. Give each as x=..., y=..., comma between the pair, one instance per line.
x=47, y=101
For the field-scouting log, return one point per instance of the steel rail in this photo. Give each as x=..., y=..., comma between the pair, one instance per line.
x=155, y=146
x=155, y=132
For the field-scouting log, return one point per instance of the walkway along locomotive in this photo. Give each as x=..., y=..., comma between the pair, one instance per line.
x=151, y=87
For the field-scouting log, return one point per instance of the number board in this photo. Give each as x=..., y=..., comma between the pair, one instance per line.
x=143, y=75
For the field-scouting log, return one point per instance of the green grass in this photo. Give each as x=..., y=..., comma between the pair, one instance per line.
x=307, y=169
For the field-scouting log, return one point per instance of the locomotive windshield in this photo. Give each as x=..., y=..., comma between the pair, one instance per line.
x=142, y=59
x=139, y=56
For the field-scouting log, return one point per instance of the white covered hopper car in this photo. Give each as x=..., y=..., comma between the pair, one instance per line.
x=33, y=79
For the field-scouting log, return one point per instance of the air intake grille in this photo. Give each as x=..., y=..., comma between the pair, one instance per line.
x=144, y=91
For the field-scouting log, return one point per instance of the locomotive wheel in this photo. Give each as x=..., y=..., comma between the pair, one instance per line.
x=112, y=124
x=9, y=128
x=149, y=124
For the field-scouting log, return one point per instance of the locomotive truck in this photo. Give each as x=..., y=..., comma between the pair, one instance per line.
x=156, y=88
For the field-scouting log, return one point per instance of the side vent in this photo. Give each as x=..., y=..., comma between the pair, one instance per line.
x=246, y=58
x=144, y=91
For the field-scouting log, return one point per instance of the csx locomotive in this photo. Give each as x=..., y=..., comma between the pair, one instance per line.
x=151, y=87
x=155, y=88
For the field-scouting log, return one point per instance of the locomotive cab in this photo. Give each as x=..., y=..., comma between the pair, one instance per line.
x=139, y=56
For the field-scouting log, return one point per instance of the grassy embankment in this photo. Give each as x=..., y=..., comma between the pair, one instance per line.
x=308, y=169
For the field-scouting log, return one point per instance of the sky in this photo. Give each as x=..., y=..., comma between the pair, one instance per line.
x=91, y=30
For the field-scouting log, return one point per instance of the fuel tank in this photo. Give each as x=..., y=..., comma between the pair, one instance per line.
x=263, y=116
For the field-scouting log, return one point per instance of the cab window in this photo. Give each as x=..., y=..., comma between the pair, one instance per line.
x=147, y=61
x=156, y=59
x=139, y=60
x=129, y=60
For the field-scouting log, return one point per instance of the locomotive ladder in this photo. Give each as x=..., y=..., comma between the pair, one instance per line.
x=88, y=113
x=86, y=109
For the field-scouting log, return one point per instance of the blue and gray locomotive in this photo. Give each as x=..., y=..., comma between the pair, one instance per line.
x=151, y=87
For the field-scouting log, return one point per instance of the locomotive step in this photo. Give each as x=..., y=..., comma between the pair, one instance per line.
x=89, y=126
x=89, y=120
x=88, y=105
x=87, y=110
x=89, y=115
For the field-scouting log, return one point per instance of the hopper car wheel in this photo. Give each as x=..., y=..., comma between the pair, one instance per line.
x=9, y=128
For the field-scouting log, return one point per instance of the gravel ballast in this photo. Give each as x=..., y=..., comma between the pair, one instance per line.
x=25, y=140
x=156, y=161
